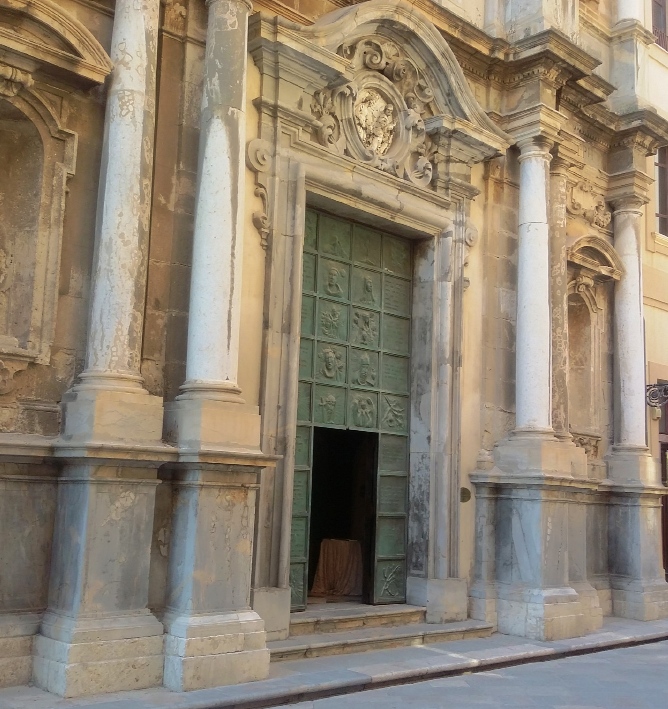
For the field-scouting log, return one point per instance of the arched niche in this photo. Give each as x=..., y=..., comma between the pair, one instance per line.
x=593, y=266
x=40, y=44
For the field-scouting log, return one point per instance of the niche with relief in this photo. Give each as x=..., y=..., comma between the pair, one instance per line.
x=593, y=266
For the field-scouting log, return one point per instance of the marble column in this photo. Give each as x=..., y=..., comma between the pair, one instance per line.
x=210, y=412
x=109, y=403
x=629, y=326
x=637, y=578
x=213, y=635
x=630, y=10
x=532, y=374
x=97, y=634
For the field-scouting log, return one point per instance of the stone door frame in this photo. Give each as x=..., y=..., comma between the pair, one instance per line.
x=301, y=156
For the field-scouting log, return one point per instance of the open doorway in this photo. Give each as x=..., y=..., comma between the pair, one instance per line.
x=342, y=514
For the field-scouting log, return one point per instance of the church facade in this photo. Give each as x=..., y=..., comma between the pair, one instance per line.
x=391, y=272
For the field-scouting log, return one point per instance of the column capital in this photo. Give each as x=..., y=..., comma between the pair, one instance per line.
x=630, y=203
x=559, y=166
x=538, y=146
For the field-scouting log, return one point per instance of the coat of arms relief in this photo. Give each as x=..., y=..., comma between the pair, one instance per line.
x=379, y=116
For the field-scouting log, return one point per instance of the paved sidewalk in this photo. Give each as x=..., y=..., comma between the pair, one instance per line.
x=299, y=680
x=628, y=678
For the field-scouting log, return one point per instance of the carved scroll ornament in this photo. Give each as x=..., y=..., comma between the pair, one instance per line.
x=258, y=158
x=379, y=117
x=584, y=202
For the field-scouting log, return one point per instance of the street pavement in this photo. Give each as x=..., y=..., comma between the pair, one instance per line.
x=629, y=678
x=558, y=676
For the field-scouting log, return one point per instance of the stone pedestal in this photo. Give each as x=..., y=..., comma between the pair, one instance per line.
x=213, y=636
x=524, y=521
x=97, y=635
x=637, y=579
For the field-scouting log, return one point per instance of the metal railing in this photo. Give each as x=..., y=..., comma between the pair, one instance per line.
x=661, y=38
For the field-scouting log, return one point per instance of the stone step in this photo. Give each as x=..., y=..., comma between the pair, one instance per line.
x=375, y=638
x=337, y=617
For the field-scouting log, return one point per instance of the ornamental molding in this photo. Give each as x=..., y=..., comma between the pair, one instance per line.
x=585, y=287
x=51, y=40
x=13, y=80
x=259, y=156
x=585, y=201
x=378, y=118
x=593, y=257
x=590, y=442
x=375, y=84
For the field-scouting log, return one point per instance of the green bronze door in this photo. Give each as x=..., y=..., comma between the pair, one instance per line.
x=354, y=374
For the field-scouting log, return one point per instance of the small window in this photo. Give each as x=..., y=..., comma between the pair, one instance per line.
x=662, y=191
x=659, y=22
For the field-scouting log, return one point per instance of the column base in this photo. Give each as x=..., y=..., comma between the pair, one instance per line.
x=17, y=633
x=482, y=603
x=540, y=614
x=124, y=415
x=541, y=454
x=446, y=600
x=273, y=606
x=197, y=424
x=592, y=612
x=203, y=651
x=75, y=658
x=639, y=600
x=633, y=466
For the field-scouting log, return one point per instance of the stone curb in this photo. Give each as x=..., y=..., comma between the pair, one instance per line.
x=320, y=687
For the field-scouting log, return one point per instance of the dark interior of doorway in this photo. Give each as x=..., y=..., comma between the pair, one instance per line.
x=342, y=495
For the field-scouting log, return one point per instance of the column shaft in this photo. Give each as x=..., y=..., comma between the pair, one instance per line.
x=119, y=277
x=629, y=331
x=215, y=291
x=533, y=375
x=631, y=10
x=559, y=288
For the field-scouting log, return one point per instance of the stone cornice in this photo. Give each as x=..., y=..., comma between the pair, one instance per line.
x=552, y=44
